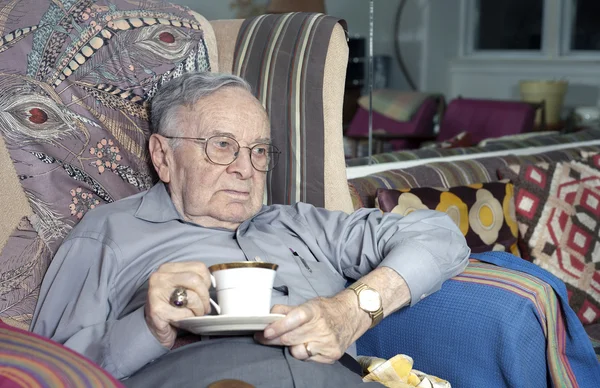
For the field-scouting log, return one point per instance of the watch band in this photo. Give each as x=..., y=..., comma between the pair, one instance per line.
x=376, y=316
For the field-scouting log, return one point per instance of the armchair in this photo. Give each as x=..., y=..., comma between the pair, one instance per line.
x=74, y=78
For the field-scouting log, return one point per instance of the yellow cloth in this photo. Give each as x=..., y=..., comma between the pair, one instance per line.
x=398, y=372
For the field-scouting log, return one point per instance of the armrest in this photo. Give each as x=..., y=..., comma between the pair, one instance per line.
x=492, y=326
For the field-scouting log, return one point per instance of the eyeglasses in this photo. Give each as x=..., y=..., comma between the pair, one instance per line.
x=224, y=150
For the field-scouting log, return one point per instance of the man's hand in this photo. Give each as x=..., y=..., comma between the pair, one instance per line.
x=328, y=325
x=195, y=278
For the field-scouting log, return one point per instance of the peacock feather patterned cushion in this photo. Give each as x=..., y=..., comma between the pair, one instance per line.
x=76, y=77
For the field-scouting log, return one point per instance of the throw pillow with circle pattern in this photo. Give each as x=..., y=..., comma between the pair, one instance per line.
x=484, y=212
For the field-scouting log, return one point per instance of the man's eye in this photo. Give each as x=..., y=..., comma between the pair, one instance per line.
x=260, y=150
x=222, y=144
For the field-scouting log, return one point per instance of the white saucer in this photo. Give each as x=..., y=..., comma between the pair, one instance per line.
x=227, y=324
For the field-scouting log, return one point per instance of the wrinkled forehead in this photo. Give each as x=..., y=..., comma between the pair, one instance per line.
x=230, y=111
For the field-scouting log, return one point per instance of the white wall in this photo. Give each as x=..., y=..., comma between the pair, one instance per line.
x=500, y=78
x=412, y=32
x=441, y=44
x=356, y=13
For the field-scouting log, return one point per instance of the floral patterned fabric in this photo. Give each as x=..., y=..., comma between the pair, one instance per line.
x=76, y=77
x=484, y=212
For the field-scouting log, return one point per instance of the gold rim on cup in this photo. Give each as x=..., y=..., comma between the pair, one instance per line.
x=242, y=264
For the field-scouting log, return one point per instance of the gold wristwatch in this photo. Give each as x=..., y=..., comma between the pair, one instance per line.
x=369, y=301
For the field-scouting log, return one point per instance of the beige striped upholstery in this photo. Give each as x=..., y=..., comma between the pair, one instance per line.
x=337, y=196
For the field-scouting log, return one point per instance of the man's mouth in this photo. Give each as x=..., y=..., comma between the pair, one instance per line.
x=237, y=194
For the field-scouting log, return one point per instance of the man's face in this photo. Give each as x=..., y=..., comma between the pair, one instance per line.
x=206, y=193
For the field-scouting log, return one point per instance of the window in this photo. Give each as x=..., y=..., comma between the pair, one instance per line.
x=584, y=29
x=538, y=29
x=508, y=25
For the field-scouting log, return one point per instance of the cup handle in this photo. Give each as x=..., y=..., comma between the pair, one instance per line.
x=213, y=281
x=215, y=305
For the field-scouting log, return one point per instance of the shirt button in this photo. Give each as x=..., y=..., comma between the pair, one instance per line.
x=423, y=296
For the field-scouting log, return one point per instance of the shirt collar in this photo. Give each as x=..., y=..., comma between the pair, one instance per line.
x=157, y=205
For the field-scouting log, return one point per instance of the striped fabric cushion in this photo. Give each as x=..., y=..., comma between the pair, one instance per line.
x=290, y=86
x=500, y=144
x=449, y=174
x=29, y=360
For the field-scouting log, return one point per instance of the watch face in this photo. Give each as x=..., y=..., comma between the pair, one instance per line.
x=370, y=300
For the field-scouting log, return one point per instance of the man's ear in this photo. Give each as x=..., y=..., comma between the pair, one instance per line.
x=160, y=153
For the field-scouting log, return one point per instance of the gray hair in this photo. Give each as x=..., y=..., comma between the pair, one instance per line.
x=185, y=91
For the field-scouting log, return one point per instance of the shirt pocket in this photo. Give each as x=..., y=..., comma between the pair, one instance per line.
x=323, y=280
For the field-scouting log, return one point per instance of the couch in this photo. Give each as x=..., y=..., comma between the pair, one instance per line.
x=75, y=78
x=560, y=312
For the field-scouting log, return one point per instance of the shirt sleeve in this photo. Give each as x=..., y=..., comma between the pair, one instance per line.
x=425, y=247
x=75, y=308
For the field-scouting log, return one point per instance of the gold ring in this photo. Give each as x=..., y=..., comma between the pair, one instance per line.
x=308, y=349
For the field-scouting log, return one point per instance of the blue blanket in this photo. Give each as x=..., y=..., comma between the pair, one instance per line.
x=504, y=322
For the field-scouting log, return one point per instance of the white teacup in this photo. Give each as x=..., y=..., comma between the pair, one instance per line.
x=243, y=288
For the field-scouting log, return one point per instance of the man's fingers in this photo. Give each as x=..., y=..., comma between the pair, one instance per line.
x=281, y=309
x=294, y=318
x=164, y=311
x=199, y=305
x=194, y=267
x=301, y=353
x=293, y=337
x=162, y=285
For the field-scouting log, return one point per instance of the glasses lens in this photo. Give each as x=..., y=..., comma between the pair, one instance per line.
x=221, y=149
x=224, y=150
x=264, y=157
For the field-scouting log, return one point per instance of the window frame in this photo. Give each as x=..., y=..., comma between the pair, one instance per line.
x=556, y=36
x=566, y=31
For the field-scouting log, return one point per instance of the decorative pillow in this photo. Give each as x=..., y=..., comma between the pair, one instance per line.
x=75, y=80
x=558, y=213
x=484, y=212
x=394, y=104
x=30, y=360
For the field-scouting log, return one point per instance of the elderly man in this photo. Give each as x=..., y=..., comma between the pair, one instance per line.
x=109, y=291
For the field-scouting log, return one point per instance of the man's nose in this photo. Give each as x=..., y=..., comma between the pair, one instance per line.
x=242, y=163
